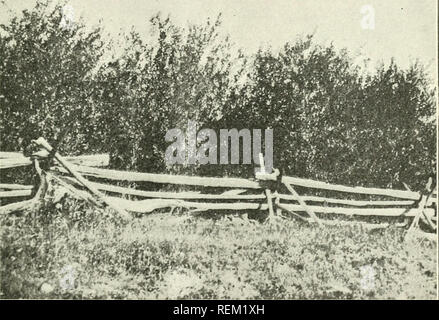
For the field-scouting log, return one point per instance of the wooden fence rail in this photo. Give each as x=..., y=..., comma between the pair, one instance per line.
x=15, y=193
x=70, y=171
x=355, y=203
x=173, y=195
x=16, y=159
x=167, y=178
x=387, y=212
x=402, y=194
x=12, y=186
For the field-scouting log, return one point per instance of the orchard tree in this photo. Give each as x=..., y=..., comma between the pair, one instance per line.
x=47, y=79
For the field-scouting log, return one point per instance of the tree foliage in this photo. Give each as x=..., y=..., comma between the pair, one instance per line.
x=46, y=79
x=332, y=120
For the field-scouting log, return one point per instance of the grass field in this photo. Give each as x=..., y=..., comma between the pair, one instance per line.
x=70, y=251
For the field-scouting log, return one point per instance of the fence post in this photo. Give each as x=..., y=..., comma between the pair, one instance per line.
x=303, y=204
x=425, y=195
x=270, y=204
x=277, y=203
x=268, y=193
x=95, y=192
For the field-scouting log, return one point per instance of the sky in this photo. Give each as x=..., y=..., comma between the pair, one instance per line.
x=404, y=29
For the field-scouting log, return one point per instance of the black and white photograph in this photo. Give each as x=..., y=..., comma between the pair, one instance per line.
x=188, y=150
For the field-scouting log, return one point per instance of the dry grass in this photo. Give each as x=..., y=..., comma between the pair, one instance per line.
x=71, y=251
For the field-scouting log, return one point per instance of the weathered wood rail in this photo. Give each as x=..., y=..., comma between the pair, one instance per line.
x=17, y=159
x=253, y=185
x=243, y=194
x=402, y=194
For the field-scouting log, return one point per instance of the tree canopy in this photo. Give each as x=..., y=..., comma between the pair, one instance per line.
x=331, y=119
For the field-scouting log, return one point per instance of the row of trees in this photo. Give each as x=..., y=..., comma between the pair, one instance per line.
x=331, y=120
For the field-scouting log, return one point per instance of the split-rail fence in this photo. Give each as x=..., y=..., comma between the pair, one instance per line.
x=85, y=177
